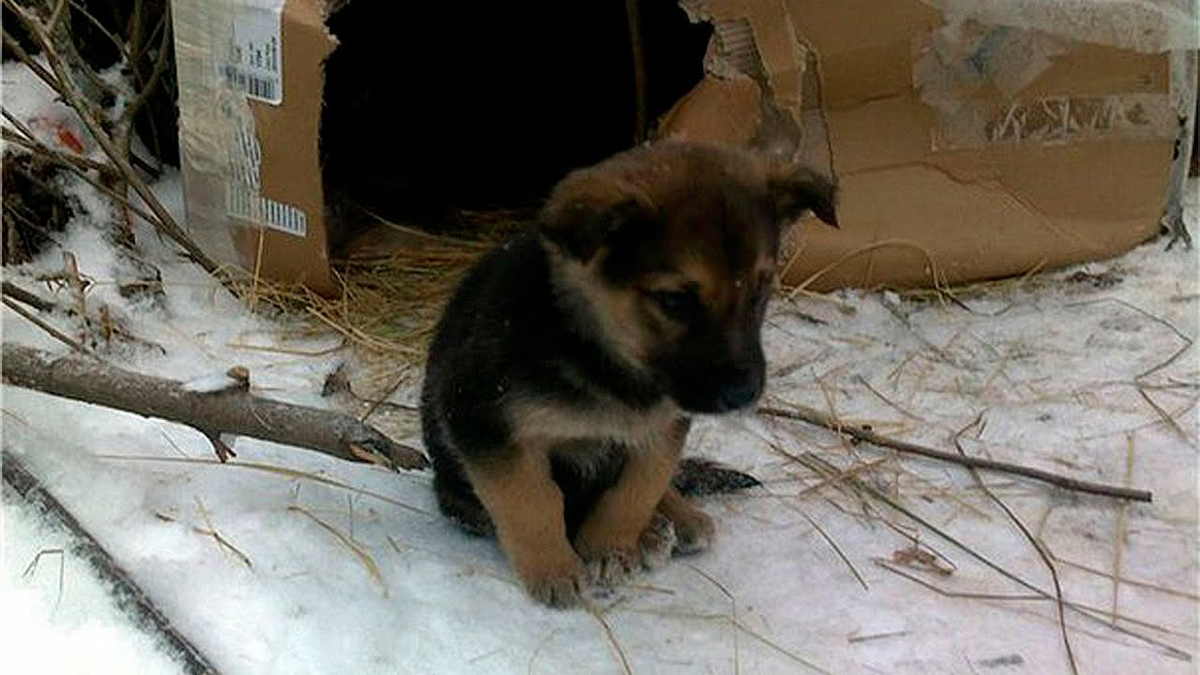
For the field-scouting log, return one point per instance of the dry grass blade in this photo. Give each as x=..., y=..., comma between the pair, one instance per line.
x=277, y=470
x=837, y=549
x=934, y=269
x=1119, y=531
x=1082, y=611
x=1164, y=416
x=392, y=283
x=1126, y=581
x=364, y=557
x=737, y=659
x=777, y=648
x=1033, y=541
x=538, y=650
x=32, y=567
x=611, y=637
x=222, y=543
x=1086, y=611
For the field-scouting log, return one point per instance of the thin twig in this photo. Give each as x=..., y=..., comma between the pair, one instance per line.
x=20, y=294
x=816, y=417
x=51, y=330
x=22, y=135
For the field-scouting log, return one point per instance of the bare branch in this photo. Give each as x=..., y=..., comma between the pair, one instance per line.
x=818, y=418
x=235, y=411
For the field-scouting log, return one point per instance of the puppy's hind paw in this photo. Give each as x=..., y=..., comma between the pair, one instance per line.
x=657, y=542
x=694, y=531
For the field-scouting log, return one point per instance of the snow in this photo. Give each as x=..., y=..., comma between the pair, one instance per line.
x=327, y=566
x=74, y=627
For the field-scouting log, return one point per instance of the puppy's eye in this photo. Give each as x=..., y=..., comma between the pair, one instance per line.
x=679, y=305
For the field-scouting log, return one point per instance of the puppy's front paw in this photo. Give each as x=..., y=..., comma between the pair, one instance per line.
x=694, y=531
x=612, y=565
x=559, y=586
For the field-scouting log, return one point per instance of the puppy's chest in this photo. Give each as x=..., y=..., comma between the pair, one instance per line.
x=560, y=424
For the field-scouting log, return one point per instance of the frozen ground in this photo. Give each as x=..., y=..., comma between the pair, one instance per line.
x=814, y=572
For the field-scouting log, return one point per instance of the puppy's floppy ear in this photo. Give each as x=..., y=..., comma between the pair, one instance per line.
x=579, y=217
x=796, y=189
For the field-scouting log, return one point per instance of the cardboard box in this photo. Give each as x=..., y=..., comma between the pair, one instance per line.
x=964, y=151
x=250, y=91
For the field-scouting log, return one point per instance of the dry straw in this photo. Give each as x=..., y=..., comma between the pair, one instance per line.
x=392, y=285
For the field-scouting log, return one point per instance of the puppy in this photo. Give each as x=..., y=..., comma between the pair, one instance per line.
x=565, y=368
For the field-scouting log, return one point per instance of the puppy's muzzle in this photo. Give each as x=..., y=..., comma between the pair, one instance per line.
x=739, y=395
x=741, y=390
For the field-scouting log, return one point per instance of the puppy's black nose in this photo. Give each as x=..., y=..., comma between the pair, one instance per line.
x=741, y=394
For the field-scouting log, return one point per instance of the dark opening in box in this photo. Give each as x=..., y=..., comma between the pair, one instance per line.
x=434, y=108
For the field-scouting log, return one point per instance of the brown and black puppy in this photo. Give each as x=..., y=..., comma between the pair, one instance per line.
x=564, y=370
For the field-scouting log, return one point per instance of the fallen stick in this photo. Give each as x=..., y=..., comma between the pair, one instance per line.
x=50, y=330
x=233, y=410
x=17, y=293
x=818, y=418
x=129, y=596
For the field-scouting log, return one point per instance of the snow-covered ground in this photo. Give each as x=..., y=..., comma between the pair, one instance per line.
x=325, y=566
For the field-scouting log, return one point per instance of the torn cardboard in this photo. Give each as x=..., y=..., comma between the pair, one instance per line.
x=963, y=151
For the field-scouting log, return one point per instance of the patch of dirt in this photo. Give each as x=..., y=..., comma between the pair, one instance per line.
x=35, y=206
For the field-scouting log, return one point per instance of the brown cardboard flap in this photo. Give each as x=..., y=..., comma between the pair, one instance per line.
x=1045, y=207
x=719, y=111
x=833, y=28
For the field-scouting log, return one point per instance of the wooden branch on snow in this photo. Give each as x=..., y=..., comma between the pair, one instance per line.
x=818, y=418
x=232, y=410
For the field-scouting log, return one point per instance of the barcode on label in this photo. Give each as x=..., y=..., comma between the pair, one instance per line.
x=262, y=88
x=245, y=204
x=253, y=63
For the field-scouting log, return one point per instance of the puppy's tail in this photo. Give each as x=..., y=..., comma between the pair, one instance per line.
x=700, y=477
